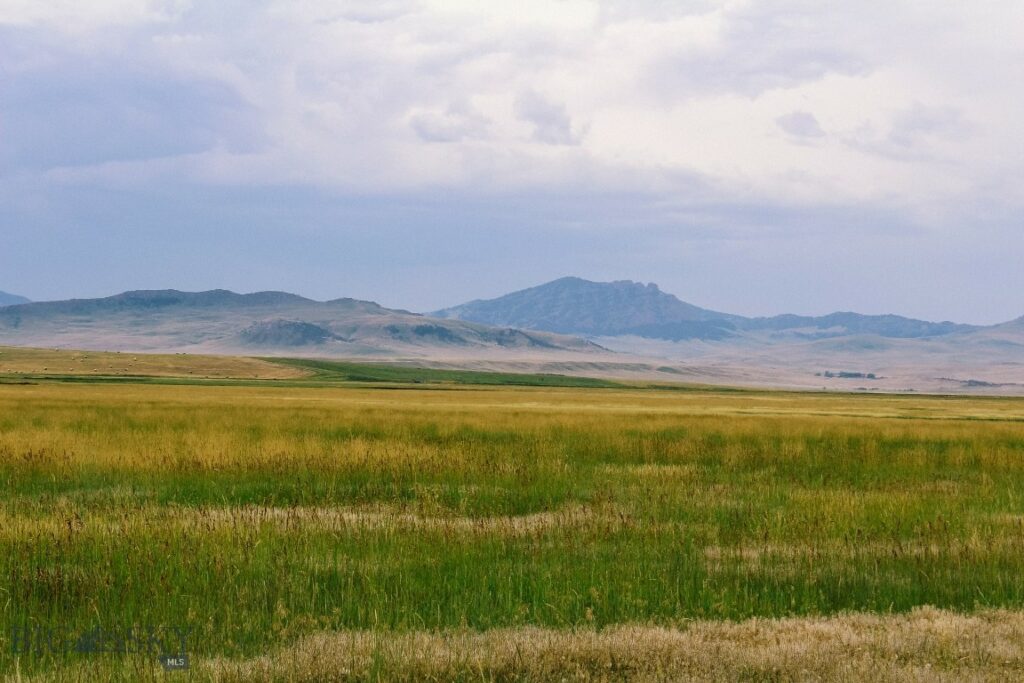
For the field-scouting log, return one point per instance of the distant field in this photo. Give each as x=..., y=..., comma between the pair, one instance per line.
x=512, y=532
x=31, y=364
x=340, y=371
x=54, y=362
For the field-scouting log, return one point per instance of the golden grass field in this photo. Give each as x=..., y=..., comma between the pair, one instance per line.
x=15, y=361
x=453, y=532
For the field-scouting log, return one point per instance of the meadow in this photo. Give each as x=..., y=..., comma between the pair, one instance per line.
x=474, y=530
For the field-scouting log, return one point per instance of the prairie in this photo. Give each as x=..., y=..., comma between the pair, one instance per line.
x=447, y=531
x=63, y=362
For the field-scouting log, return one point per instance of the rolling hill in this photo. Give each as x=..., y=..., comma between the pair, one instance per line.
x=266, y=323
x=572, y=305
x=843, y=350
x=7, y=299
x=631, y=330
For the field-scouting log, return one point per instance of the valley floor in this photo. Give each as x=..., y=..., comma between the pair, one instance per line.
x=370, y=523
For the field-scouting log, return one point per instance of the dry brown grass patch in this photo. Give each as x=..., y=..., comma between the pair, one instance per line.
x=925, y=645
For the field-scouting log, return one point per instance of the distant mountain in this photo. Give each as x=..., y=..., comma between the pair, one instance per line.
x=11, y=299
x=1017, y=323
x=148, y=300
x=284, y=333
x=571, y=305
x=273, y=323
x=841, y=324
x=641, y=331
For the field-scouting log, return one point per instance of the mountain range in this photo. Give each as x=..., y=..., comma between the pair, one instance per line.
x=570, y=326
x=844, y=350
x=572, y=305
x=270, y=323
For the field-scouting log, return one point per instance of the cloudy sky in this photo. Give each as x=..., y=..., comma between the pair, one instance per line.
x=752, y=156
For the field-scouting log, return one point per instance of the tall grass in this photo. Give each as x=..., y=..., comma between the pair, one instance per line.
x=259, y=515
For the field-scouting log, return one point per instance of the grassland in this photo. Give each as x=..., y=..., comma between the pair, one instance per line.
x=347, y=372
x=18, y=362
x=21, y=365
x=504, y=533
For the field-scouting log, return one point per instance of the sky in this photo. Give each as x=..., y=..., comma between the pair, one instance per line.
x=755, y=157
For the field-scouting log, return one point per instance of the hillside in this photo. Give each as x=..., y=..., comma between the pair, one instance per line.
x=572, y=305
x=843, y=350
x=656, y=336
x=7, y=299
x=847, y=323
x=268, y=323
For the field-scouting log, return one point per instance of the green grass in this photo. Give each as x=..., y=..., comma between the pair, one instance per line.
x=341, y=371
x=292, y=372
x=256, y=514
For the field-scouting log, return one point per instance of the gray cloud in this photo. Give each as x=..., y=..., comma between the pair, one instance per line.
x=913, y=133
x=71, y=109
x=800, y=124
x=422, y=252
x=458, y=122
x=408, y=150
x=551, y=122
x=762, y=46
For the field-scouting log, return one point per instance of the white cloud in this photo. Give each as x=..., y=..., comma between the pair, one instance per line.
x=550, y=121
x=77, y=16
x=801, y=125
x=458, y=122
x=917, y=100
